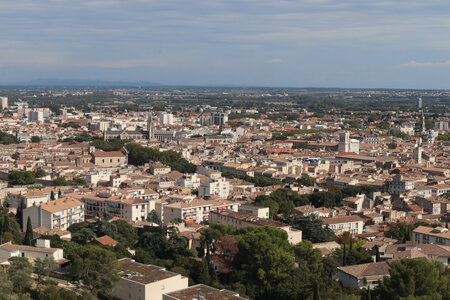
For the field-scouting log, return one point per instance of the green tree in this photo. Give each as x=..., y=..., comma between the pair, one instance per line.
x=35, y=139
x=306, y=180
x=19, y=273
x=52, y=195
x=21, y=177
x=392, y=145
x=415, y=279
x=6, y=287
x=40, y=173
x=19, y=213
x=54, y=293
x=28, y=240
x=43, y=267
x=60, y=181
x=96, y=267
x=153, y=217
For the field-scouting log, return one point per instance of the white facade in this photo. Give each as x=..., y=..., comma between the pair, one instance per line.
x=218, y=187
x=166, y=118
x=36, y=116
x=4, y=102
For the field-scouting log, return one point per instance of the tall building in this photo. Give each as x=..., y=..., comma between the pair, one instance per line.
x=4, y=102
x=344, y=142
x=166, y=118
x=419, y=103
x=150, y=127
x=36, y=116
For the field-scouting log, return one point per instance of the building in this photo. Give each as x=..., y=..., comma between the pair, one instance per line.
x=398, y=185
x=346, y=144
x=219, y=187
x=341, y=224
x=157, y=168
x=60, y=213
x=441, y=125
x=109, y=159
x=145, y=282
x=42, y=250
x=130, y=208
x=195, y=210
x=202, y=292
x=4, y=102
x=166, y=118
x=364, y=275
x=239, y=220
x=429, y=235
x=191, y=181
x=256, y=211
x=36, y=116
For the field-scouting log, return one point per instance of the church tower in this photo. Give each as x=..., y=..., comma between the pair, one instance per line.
x=150, y=126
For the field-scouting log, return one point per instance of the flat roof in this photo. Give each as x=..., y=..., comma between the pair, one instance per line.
x=205, y=291
x=142, y=273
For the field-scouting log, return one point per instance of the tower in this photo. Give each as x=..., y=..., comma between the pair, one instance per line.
x=150, y=126
x=422, y=123
x=344, y=142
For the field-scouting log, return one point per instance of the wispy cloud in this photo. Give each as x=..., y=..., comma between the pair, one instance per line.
x=414, y=63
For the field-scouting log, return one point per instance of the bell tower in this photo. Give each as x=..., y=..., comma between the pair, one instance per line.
x=150, y=126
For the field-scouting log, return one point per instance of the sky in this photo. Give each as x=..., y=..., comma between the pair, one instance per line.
x=300, y=43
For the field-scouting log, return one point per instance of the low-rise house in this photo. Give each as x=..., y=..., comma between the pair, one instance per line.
x=429, y=235
x=363, y=275
x=201, y=291
x=60, y=213
x=42, y=250
x=109, y=159
x=257, y=211
x=159, y=168
x=238, y=220
x=432, y=252
x=105, y=240
x=341, y=224
x=145, y=282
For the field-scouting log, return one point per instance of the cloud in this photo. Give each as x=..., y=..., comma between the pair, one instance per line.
x=414, y=63
x=275, y=61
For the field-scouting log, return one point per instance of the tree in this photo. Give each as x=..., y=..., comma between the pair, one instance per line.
x=60, y=181
x=40, y=173
x=19, y=273
x=21, y=177
x=52, y=195
x=153, y=217
x=312, y=229
x=415, y=278
x=54, y=293
x=392, y=145
x=35, y=139
x=28, y=240
x=19, y=213
x=306, y=180
x=95, y=267
x=6, y=287
x=43, y=267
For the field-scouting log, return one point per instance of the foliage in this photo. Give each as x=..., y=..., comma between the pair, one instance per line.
x=443, y=137
x=55, y=293
x=353, y=256
x=6, y=138
x=306, y=180
x=312, y=228
x=19, y=273
x=416, y=279
x=28, y=239
x=43, y=267
x=392, y=145
x=153, y=217
x=256, y=180
x=110, y=145
x=95, y=267
x=139, y=155
x=39, y=173
x=35, y=139
x=60, y=181
x=21, y=177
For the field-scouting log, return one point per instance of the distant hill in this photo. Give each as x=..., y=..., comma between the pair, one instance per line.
x=82, y=83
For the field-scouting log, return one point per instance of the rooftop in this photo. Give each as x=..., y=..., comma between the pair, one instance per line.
x=201, y=290
x=142, y=273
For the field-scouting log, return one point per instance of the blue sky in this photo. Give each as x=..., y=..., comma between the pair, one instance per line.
x=302, y=43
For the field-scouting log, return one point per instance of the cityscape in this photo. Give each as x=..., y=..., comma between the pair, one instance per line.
x=224, y=150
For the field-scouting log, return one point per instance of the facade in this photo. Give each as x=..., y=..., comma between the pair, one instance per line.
x=43, y=250
x=257, y=211
x=364, y=275
x=398, y=185
x=194, y=211
x=166, y=118
x=239, y=220
x=159, y=168
x=191, y=181
x=352, y=224
x=60, y=213
x=4, y=102
x=36, y=116
x=429, y=235
x=219, y=187
x=131, y=208
x=145, y=282
x=109, y=159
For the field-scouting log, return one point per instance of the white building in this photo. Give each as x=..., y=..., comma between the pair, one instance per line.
x=352, y=224
x=43, y=250
x=191, y=181
x=346, y=144
x=145, y=282
x=36, y=116
x=4, y=102
x=219, y=187
x=429, y=235
x=60, y=213
x=398, y=185
x=441, y=125
x=166, y=118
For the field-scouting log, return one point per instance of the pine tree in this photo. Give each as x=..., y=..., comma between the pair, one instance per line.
x=316, y=294
x=377, y=256
x=28, y=234
x=59, y=194
x=409, y=235
x=6, y=225
x=369, y=296
x=52, y=195
x=19, y=214
x=344, y=259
